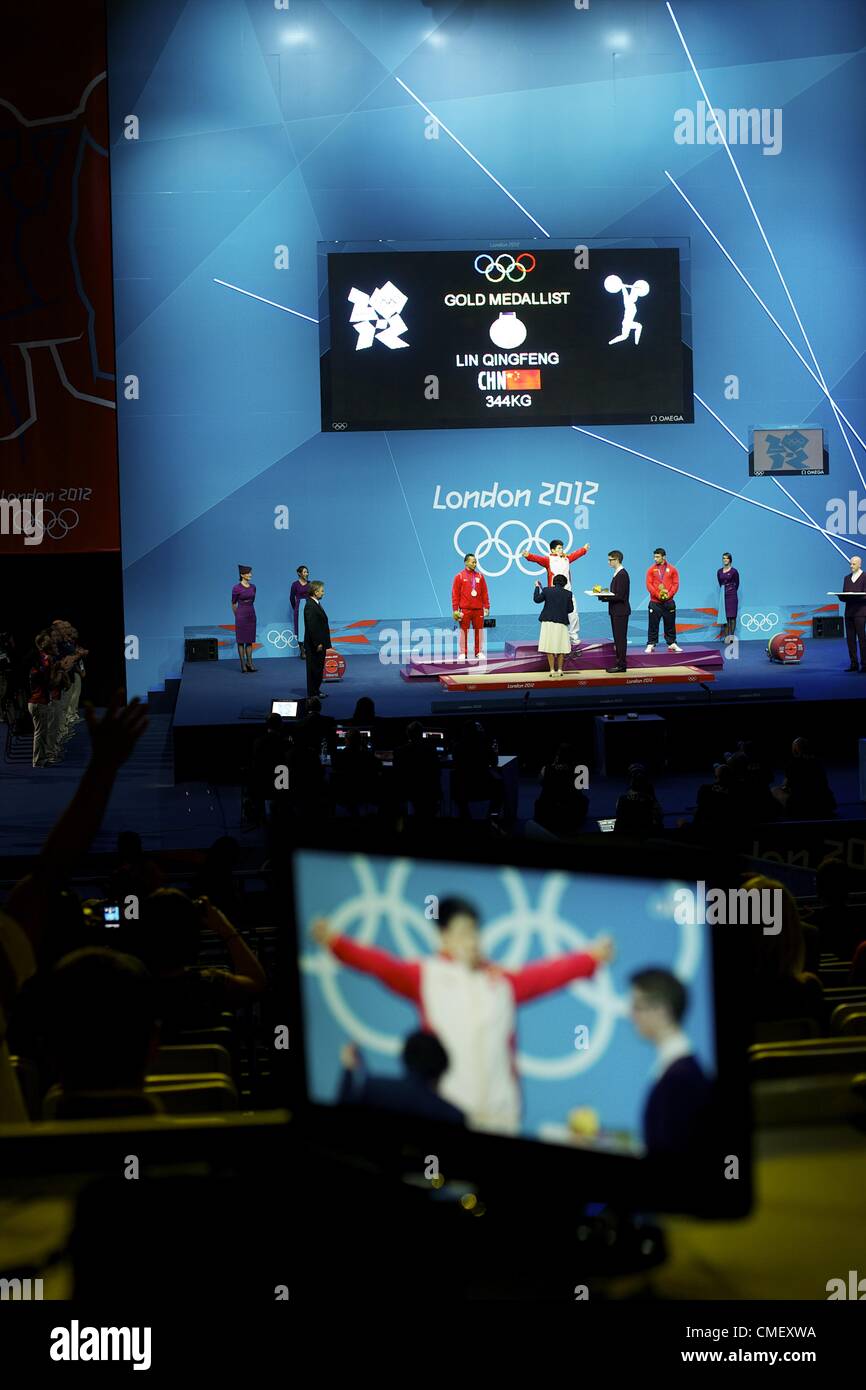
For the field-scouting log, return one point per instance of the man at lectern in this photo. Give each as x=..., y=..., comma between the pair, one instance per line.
x=855, y=614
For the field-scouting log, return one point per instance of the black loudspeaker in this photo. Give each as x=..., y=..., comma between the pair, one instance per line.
x=489, y=622
x=200, y=649
x=828, y=626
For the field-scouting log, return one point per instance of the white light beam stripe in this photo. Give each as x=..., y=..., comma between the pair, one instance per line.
x=792, y=345
x=460, y=143
x=792, y=498
x=262, y=300
x=759, y=225
x=789, y=495
x=716, y=487
x=412, y=521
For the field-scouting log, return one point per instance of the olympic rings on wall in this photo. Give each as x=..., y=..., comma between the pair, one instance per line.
x=531, y=541
x=281, y=638
x=759, y=622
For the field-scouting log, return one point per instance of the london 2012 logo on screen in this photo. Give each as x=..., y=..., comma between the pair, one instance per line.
x=377, y=317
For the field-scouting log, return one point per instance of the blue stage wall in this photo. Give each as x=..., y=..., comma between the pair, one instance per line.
x=262, y=125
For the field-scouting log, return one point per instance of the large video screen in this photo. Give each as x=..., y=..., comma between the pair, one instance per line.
x=504, y=334
x=571, y=1009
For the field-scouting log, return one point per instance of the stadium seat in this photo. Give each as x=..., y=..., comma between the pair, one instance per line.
x=192, y=1058
x=117, y=1104
x=852, y=1024
x=840, y=1013
x=785, y=1030
x=846, y=994
x=811, y=1100
x=221, y=1035
x=808, y=1058
x=177, y=1093
x=835, y=974
x=202, y=1094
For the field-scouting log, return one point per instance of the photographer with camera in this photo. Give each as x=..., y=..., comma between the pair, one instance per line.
x=71, y=654
x=47, y=677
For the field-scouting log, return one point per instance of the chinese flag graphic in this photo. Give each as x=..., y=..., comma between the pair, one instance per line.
x=523, y=381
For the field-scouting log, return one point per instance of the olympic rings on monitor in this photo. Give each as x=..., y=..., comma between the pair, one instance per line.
x=505, y=267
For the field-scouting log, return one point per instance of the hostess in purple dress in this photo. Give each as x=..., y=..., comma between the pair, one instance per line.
x=245, y=617
x=297, y=594
x=730, y=582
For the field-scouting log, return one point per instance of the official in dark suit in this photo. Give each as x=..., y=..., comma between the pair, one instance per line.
x=425, y=1062
x=855, y=614
x=317, y=637
x=619, y=608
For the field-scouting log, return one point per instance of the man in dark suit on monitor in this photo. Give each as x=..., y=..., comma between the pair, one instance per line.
x=619, y=608
x=317, y=637
x=677, y=1110
x=855, y=613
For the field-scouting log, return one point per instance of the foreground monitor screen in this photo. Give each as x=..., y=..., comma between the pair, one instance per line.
x=504, y=333
x=517, y=1032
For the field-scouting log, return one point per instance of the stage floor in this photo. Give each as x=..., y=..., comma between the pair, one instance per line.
x=576, y=678
x=217, y=693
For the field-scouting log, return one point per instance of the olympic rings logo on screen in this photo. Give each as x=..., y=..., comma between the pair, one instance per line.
x=281, y=638
x=505, y=271
x=759, y=622
x=535, y=542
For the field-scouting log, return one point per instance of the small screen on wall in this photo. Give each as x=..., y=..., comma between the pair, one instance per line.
x=788, y=449
x=552, y=335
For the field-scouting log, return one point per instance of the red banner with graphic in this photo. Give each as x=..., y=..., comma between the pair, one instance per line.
x=58, y=438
